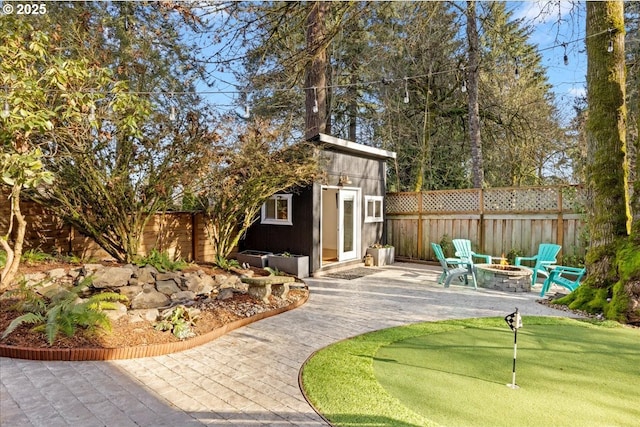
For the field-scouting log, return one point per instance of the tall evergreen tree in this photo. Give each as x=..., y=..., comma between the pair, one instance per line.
x=521, y=130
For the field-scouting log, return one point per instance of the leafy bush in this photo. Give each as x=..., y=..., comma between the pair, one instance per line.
x=512, y=254
x=447, y=246
x=161, y=261
x=65, y=312
x=179, y=321
x=225, y=263
x=72, y=259
x=573, y=260
x=33, y=256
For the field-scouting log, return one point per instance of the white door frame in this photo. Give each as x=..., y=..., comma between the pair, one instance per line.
x=349, y=194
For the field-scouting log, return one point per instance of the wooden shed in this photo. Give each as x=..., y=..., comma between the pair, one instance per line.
x=333, y=221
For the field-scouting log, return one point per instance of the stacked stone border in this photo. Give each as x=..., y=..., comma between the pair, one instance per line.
x=86, y=354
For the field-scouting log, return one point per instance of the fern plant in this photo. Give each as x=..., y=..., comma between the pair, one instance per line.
x=34, y=256
x=65, y=312
x=161, y=261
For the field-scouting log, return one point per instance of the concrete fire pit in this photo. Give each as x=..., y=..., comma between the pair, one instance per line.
x=507, y=278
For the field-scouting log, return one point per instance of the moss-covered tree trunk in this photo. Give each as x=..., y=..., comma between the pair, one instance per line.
x=613, y=258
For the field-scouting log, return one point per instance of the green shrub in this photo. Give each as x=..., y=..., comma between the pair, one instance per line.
x=225, y=263
x=33, y=256
x=573, y=260
x=161, y=261
x=71, y=259
x=447, y=246
x=512, y=254
x=64, y=312
x=3, y=258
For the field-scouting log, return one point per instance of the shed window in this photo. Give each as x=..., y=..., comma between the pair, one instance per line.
x=373, y=208
x=277, y=210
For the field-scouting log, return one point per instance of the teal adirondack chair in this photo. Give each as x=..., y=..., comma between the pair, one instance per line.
x=547, y=253
x=559, y=275
x=451, y=267
x=463, y=250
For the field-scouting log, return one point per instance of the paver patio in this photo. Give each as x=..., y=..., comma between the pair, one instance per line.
x=248, y=377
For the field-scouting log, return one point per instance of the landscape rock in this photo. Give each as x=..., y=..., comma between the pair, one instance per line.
x=199, y=283
x=192, y=282
x=230, y=282
x=54, y=290
x=117, y=313
x=147, y=274
x=167, y=287
x=130, y=291
x=153, y=299
x=220, y=279
x=111, y=277
x=57, y=273
x=34, y=278
x=183, y=296
x=225, y=293
x=149, y=314
x=161, y=277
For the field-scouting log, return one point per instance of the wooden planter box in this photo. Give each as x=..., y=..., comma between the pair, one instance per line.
x=382, y=256
x=298, y=265
x=254, y=258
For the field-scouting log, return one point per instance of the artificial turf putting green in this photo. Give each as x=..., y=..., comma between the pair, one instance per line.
x=570, y=373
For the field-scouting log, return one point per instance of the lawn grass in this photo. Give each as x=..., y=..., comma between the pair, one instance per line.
x=570, y=373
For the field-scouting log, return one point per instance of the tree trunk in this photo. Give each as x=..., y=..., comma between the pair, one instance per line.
x=13, y=254
x=608, y=168
x=316, y=76
x=474, y=109
x=613, y=277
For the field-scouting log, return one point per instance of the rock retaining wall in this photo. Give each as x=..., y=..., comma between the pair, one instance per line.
x=147, y=289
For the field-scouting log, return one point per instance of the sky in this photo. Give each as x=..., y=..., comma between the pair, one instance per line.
x=557, y=22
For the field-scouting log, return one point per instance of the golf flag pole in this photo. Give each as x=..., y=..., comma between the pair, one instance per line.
x=515, y=322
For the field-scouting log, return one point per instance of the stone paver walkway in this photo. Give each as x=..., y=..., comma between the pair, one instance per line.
x=250, y=376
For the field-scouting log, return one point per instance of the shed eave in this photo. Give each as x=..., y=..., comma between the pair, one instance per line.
x=352, y=147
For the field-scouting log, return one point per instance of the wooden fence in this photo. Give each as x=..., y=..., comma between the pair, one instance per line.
x=496, y=220
x=180, y=234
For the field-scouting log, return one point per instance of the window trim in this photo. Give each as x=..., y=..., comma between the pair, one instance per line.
x=370, y=216
x=276, y=221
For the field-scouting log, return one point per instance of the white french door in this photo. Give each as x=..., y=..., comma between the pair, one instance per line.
x=348, y=224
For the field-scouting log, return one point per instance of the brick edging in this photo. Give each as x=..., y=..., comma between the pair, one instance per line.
x=97, y=353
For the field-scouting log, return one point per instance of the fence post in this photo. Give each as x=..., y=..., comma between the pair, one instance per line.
x=560, y=226
x=481, y=221
x=194, y=236
x=419, y=253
